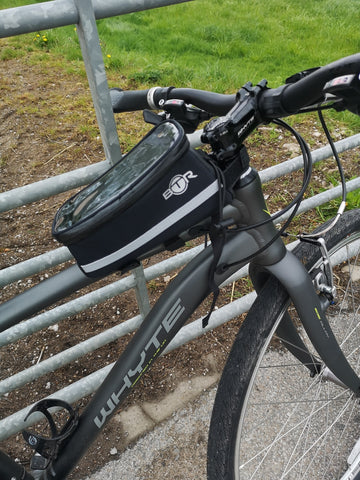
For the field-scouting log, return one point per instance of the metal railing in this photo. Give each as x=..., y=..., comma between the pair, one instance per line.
x=89, y=384
x=84, y=13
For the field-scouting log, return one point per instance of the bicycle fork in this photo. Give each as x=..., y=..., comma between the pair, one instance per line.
x=280, y=263
x=324, y=283
x=311, y=312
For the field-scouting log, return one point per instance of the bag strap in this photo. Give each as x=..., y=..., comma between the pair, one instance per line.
x=217, y=235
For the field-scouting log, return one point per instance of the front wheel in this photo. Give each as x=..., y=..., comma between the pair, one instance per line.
x=271, y=418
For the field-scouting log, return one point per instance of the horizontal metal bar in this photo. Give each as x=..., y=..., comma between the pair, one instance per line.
x=42, y=295
x=58, y=13
x=15, y=423
x=69, y=355
x=70, y=308
x=32, y=18
x=51, y=186
x=322, y=198
x=296, y=163
x=34, y=265
x=84, y=302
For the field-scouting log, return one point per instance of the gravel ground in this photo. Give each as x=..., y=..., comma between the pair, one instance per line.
x=176, y=449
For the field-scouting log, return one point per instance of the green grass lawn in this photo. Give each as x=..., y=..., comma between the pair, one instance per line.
x=218, y=44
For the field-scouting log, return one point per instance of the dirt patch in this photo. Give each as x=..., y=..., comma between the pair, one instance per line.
x=48, y=127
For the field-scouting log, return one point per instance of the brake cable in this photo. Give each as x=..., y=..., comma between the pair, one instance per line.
x=306, y=154
x=342, y=206
x=295, y=203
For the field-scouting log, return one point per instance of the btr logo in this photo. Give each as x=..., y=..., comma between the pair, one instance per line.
x=178, y=184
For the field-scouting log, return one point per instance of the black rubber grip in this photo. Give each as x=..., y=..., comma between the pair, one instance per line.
x=308, y=90
x=128, y=101
x=274, y=103
x=289, y=99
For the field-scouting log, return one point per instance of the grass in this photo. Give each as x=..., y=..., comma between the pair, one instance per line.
x=216, y=44
x=209, y=44
x=329, y=210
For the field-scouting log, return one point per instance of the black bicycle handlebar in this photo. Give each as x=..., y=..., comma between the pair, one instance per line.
x=274, y=103
x=213, y=103
x=291, y=98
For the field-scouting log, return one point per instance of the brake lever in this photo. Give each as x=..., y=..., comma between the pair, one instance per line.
x=188, y=116
x=347, y=88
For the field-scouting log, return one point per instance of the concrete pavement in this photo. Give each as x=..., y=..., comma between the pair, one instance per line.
x=172, y=436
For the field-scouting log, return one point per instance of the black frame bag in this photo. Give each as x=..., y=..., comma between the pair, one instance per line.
x=156, y=192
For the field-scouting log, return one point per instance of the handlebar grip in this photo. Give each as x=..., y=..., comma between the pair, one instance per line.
x=290, y=98
x=310, y=89
x=128, y=101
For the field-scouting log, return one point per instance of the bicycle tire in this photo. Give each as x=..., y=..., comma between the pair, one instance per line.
x=268, y=425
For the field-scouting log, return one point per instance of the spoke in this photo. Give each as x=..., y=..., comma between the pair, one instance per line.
x=320, y=437
x=282, y=434
x=337, y=447
x=306, y=424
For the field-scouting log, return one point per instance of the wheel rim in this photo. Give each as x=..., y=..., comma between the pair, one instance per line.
x=294, y=426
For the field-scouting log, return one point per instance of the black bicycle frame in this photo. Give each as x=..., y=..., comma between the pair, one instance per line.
x=180, y=300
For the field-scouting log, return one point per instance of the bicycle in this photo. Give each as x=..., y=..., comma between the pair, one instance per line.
x=257, y=431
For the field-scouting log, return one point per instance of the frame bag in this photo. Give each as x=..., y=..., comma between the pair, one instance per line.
x=159, y=190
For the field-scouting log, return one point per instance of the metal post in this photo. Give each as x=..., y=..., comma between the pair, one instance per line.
x=141, y=292
x=95, y=69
